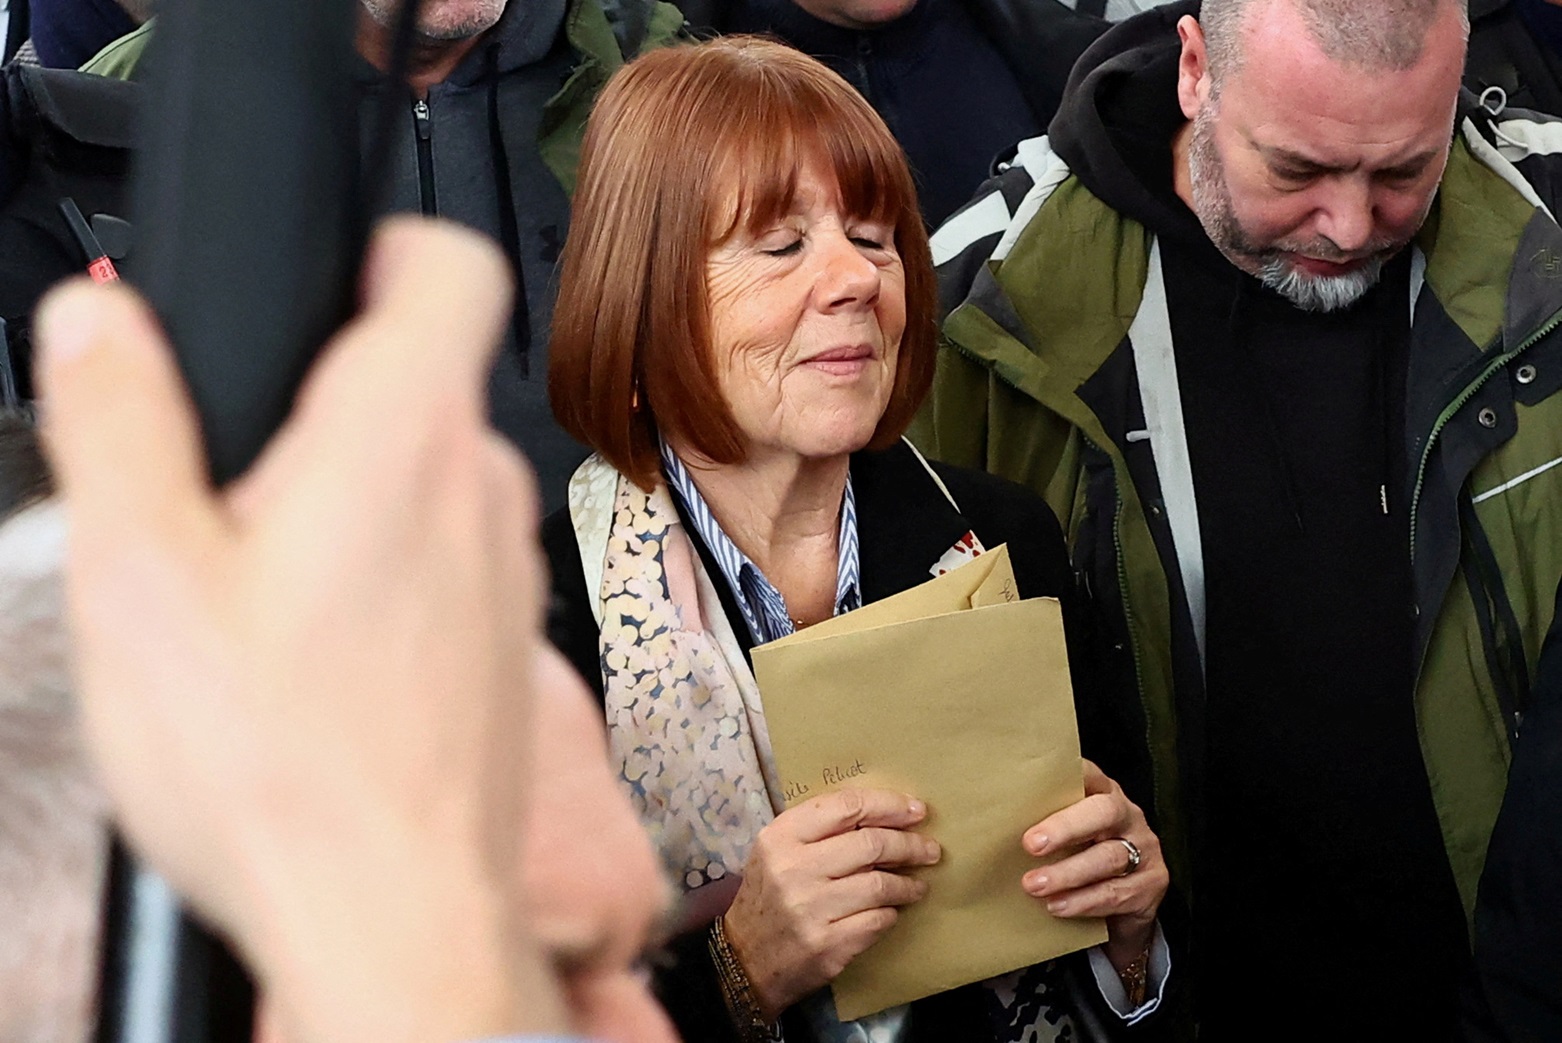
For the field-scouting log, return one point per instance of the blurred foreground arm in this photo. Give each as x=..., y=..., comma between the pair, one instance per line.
x=309, y=694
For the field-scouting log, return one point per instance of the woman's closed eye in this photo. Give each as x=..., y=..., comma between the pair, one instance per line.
x=871, y=235
x=784, y=250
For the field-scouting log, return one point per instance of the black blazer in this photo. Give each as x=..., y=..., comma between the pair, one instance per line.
x=904, y=525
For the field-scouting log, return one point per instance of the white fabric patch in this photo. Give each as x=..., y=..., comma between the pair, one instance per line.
x=1520, y=137
x=1501, y=166
x=988, y=215
x=1048, y=171
x=1156, y=362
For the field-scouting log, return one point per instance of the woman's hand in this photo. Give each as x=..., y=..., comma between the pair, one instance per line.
x=816, y=891
x=1095, y=880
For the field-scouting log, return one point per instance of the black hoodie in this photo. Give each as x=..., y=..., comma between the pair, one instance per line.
x=1322, y=872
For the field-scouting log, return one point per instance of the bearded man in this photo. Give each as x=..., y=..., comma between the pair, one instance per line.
x=1267, y=319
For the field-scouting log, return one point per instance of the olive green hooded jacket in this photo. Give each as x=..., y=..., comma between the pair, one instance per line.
x=1058, y=318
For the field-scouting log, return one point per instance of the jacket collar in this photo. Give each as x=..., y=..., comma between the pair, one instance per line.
x=905, y=524
x=1478, y=224
x=1473, y=236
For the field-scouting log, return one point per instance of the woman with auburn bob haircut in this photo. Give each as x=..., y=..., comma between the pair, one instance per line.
x=744, y=330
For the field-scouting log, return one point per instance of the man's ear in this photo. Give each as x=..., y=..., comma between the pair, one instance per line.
x=1193, y=82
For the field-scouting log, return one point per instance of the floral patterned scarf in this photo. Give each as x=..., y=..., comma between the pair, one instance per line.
x=686, y=727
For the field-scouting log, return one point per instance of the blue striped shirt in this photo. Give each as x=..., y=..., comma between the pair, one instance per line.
x=763, y=607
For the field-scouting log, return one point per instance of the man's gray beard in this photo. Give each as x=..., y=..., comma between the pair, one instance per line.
x=1212, y=205
x=1319, y=292
x=384, y=13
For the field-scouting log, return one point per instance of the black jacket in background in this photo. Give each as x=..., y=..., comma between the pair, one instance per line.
x=16, y=30
x=62, y=133
x=958, y=82
x=1504, y=53
x=476, y=159
x=1518, y=919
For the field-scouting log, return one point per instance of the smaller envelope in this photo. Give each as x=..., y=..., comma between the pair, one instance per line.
x=957, y=693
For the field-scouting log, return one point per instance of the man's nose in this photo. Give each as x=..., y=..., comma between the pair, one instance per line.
x=1346, y=214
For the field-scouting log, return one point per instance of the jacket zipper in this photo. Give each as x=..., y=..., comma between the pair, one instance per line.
x=1458, y=403
x=420, y=117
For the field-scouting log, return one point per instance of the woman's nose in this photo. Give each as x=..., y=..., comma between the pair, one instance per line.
x=847, y=277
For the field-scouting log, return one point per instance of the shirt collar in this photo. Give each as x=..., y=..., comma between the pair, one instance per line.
x=763, y=607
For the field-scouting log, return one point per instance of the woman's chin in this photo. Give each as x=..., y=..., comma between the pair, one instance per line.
x=825, y=444
x=828, y=426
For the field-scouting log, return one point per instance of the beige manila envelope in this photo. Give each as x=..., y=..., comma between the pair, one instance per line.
x=957, y=693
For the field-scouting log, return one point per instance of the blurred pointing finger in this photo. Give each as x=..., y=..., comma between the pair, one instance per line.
x=118, y=424
x=411, y=261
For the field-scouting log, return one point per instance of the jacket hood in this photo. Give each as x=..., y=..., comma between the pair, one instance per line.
x=1482, y=8
x=1118, y=115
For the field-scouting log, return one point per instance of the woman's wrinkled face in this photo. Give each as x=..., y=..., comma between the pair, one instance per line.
x=806, y=321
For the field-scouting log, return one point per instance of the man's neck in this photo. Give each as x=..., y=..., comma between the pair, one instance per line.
x=1182, y=180
x=431, y=61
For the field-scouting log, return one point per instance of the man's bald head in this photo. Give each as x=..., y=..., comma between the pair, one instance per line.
x=1373, y=35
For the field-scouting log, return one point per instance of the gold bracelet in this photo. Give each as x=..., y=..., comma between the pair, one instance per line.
x=1136, y=979
x=737, y=990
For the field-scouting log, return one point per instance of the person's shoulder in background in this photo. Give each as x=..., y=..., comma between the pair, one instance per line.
x=121, y=58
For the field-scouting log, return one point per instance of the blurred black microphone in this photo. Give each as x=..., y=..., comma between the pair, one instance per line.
x=250, y=224
x=246, y=204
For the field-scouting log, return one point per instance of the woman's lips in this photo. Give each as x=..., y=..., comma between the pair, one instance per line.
x=842, y=362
